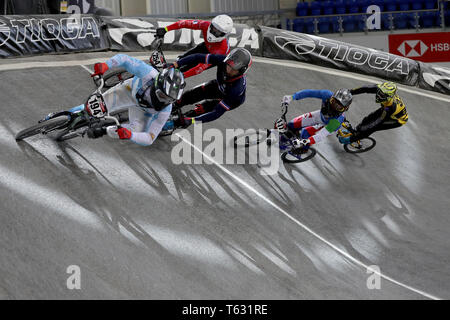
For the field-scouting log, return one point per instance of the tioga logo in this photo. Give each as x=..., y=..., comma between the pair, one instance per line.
x=327, y=49
x=21, y=30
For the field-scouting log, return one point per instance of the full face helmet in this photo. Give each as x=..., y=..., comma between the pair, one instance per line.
x=386, y=91
x=219, y=28
x=239, y=59
x=169, y=85
x=340, y=102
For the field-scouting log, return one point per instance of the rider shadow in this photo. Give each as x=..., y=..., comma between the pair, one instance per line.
x=112, y=210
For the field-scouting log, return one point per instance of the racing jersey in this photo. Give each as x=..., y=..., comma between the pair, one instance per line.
x=143, y=75
x=221, y=47
x=233, y=90
x=394, y=109
x=330, y=124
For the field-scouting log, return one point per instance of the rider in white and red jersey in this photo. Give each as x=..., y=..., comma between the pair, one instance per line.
x=215, y=34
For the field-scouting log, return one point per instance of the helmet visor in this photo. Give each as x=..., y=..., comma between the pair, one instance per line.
x=216, y=32
x=164, y=98
x=337, y=106
x=381, y=96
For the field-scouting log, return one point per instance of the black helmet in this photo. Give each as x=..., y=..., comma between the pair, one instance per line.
x=239, y=59
x=169, y=85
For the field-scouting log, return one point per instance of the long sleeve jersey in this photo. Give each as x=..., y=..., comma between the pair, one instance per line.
x=233, y=90
x=221, y=47
x=392, y=109
x=154, y=120
x=331, y=124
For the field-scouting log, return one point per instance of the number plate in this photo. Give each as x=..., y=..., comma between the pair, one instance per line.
x=95, y=106
x=157, y=59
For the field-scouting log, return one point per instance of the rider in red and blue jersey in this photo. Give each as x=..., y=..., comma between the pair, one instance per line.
x=313, y=127
x=220, y=95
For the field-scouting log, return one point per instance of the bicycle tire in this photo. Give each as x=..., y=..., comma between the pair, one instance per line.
x=348, y=147
x=115, y=76
x=309, y=156
x=252, y=141
x=43, y=126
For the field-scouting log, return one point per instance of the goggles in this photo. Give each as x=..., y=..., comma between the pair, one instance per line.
x=216, y=32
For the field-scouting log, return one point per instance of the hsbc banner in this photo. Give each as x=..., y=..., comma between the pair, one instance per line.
x=426, y=47
x=138, y=34
x=339, y=55
x=28, y=35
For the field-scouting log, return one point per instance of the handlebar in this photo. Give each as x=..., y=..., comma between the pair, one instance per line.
x=99, y=82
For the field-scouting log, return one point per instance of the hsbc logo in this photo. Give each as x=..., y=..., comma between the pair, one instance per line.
x=412, y=48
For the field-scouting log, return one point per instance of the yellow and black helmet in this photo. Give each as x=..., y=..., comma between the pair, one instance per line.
x=386, y=91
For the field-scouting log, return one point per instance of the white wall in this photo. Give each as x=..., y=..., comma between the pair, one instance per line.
x=243, y=5
x=113, y=5
x=167, y=6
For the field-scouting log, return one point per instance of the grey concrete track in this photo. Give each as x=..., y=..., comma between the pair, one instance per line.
x=139, y=226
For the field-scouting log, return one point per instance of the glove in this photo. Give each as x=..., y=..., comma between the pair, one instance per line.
x=123, y=133
x=281, y=125
x=188, y=121
x=160, y=32
x=99, y=69
x=287, y=99
x=344, y=140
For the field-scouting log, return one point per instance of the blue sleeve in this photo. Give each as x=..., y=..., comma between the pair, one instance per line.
x=132, y=65
x=308, y=93
x=213, y=59
x=218, y=111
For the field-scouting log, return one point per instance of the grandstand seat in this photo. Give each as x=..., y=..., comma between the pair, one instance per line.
x=400, y=20
x=411, y=17
x=379, y=3
x=324, y=25
x=335, y=24
x=315, y=8
x=309, y=26
x=302, y=9
x=416, y=5
x=327, y=7
x=429, y=19
x=430, y=4
x=339, y=7
x=360, y=23
x=390, y=5
x=349, y=24
x=298, y=25
x=385, y=22
x=403, y=5
x=352, y=6
x=363, y=4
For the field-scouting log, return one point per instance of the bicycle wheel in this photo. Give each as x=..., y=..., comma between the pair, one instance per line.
x=360, y=146
x=42, y=127
x=116, y=76
x=246, y=140
x=296, y=157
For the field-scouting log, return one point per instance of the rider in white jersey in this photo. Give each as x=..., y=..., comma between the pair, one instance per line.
x=148, y=96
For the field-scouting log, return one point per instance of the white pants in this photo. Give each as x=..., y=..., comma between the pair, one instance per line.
x=145, y=124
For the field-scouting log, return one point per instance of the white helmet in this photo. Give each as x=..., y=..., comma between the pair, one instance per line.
x=219, y=28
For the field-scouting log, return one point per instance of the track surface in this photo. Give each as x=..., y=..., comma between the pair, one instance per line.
x=139, y=226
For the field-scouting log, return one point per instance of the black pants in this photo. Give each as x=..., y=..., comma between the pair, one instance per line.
x=201, y=48
x=206, y=94
x=372, y=123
